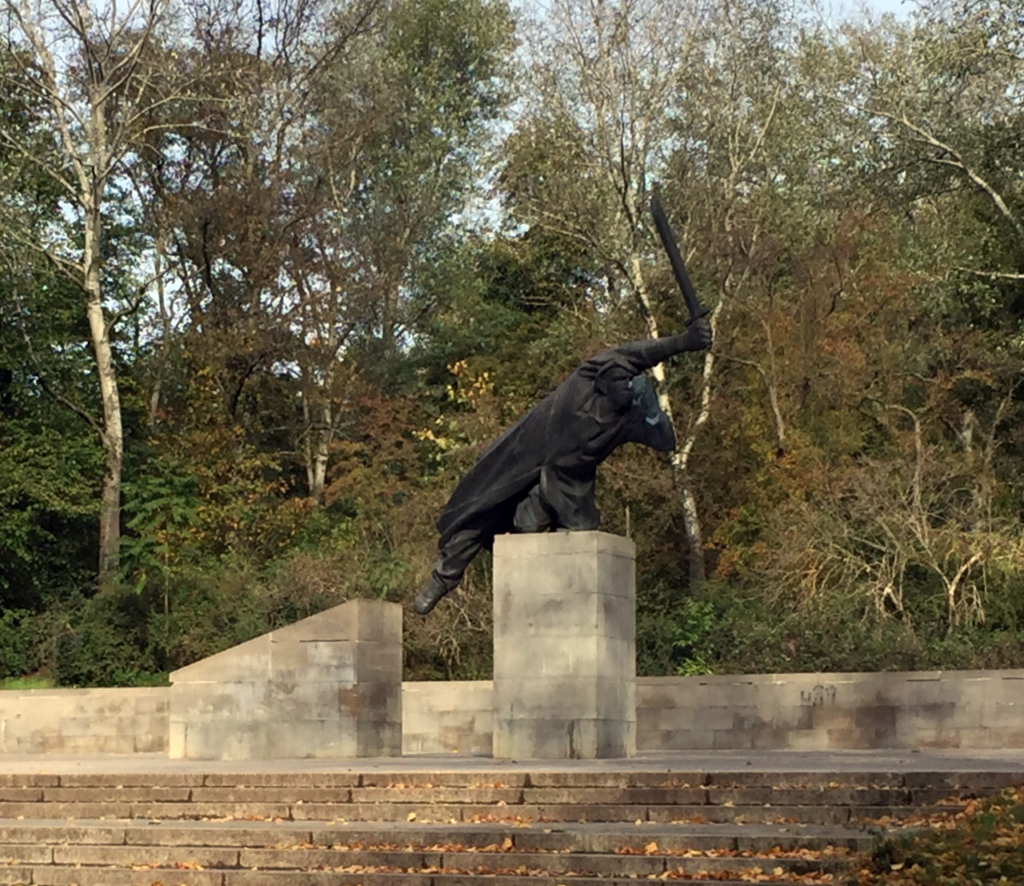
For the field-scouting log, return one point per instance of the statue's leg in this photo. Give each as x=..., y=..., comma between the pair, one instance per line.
x=532, y=515
x=452, y=561
x=570, y=498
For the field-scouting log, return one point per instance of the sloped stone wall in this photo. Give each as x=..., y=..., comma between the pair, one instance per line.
x=328, y=686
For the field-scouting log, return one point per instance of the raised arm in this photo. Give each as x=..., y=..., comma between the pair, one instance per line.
x=650, y=352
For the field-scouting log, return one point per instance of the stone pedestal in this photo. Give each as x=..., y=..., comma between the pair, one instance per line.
x=564, y=646
x=328, y=686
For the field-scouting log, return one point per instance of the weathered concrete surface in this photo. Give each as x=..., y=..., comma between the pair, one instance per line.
x=447, y=717
x=921, y=709
x=327, y=686
x=158, y=768
x=914, y=710
x=564, y=646
x=86, y=721
x=456, y=717
x=954, y=709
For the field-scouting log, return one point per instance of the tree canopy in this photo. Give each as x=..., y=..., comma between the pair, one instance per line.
x=272, y=276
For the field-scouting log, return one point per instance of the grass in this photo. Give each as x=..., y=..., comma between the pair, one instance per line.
x=27, y=683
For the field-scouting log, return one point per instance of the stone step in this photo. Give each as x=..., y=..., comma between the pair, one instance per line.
x=454, y=796
x=467, y=813
x=431, y=812
x=531, y=796
x=43, y=852
x=641, y=862
x=503, y=779
x=65, y=876
x=591, y=838
x=448, y=828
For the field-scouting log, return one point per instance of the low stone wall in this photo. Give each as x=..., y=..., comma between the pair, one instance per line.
x=84, y=721
x=441, y=718
x=921, y=709
x=940, y=709
x=437, y=718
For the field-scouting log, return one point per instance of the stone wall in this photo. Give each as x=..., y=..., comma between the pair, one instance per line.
x=951, y=709
x=922, y=709
x=928, y=709
x=327, y=686
x=441, y=718
x=84, y=721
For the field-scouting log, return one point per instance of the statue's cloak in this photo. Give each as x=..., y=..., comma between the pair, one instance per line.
x=572, y=430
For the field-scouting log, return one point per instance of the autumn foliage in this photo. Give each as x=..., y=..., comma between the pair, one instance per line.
x=345, y=244
x=984, y=844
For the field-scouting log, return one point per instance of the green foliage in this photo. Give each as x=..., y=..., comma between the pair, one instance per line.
x=162, y=510
x=47, y=508
x=362, y=304
x=730, y=630
x=20, y=651
x=102, y=645
x=693, y=640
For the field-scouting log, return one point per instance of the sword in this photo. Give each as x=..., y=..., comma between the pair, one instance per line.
x=668, y=240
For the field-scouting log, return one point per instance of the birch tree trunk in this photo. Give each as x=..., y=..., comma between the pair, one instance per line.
x=112, y=435
x=681, y=456
x=316, y=469
x=681, y=462
x=111, y=43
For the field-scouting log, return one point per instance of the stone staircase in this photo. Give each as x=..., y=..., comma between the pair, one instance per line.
x=438, y=828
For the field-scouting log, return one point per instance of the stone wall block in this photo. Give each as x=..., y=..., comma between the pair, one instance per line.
x=564, y=646
x=441, y=717
x=326, y=660
x=328, y=686
x=248, y=661
x=566, y=738
x=933, y=709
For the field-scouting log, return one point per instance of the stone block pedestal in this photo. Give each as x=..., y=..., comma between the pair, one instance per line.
x=564, y=646
x=327, y=686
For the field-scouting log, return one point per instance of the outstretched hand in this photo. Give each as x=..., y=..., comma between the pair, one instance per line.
x=698, y=336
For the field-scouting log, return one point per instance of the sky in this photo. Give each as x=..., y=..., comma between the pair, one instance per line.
x=899, y=8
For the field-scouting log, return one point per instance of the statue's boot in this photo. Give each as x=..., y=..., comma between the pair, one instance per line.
x=430, y=596
x=452, y=560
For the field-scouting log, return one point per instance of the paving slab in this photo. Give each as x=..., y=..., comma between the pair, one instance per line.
x=899, y=761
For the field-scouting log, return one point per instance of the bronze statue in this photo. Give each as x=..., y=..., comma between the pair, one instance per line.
x=539, y=475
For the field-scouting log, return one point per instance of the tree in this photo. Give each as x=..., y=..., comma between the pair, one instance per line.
x=92, y=74
x=942, y=110
x=404, y=124
x=296, y=233
x=623, y=96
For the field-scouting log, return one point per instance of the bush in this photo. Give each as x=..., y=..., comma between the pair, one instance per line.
x=726, y=630
x=20, y=652
x=102, y=645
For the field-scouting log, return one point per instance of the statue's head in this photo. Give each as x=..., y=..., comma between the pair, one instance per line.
x=615, y=383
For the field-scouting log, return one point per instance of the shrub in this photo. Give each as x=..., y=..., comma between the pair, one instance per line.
x=19, y=643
